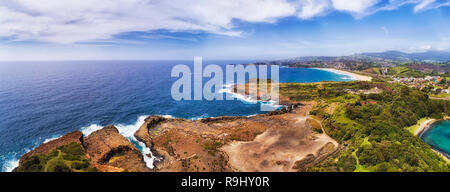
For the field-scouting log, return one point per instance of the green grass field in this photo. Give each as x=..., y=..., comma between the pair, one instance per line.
x=412, y=129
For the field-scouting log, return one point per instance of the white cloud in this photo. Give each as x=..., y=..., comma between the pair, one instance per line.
x=422, y=5
x=70, y=21
x=311, y=8
x=355, y=6
x=421, y=48
x=430, y=4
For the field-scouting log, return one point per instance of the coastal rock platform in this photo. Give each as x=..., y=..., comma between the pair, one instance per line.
x=267, y=142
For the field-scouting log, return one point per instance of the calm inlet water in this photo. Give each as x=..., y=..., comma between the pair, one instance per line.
x=438, y=136
x=44, y=100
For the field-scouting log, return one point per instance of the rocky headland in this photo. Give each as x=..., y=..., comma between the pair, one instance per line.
x=285, y=140
x=104, y=150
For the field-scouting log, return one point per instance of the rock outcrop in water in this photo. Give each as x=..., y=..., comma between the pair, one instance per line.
x=108, y=149
x=104, y=150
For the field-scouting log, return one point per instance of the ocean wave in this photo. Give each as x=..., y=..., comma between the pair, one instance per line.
x=91, y=128
x=11, y=160
x=52, y=138
x=247, y=99
x=10, y=163
x=128, y=132
x=167, y=116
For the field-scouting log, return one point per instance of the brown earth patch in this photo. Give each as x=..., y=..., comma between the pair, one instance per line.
x=268, y=142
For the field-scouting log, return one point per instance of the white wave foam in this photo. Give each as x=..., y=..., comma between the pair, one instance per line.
x=128, y=132
x=52, y=138
x=11, y=162
x=247, y=99
x=10, y=165
x=167, y=116
x=89, y=129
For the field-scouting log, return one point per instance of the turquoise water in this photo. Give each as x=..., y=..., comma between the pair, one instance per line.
x=438, y=136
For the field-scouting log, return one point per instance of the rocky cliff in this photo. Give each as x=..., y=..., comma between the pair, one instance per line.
x=284, y=140
x=103, y=150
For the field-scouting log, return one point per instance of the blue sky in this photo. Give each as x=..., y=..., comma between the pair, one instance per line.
x=233, y=29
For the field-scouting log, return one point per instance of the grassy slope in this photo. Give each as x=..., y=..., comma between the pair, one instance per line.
x=412, y=129
x=375, y=135
x=67, y=158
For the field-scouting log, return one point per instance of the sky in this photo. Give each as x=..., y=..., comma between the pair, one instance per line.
x=218, y=30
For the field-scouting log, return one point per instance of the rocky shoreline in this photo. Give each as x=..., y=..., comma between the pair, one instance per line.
x=204, y=145
x=283, y=140
x=104, y=150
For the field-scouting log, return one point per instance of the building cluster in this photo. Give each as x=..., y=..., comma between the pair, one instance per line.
x=433, y=82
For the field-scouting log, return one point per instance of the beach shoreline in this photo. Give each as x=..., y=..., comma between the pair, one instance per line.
x=424, y=126
x=355, y=76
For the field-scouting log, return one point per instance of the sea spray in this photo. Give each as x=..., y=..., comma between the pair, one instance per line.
x=89, y=129
x=52, y=138
x=227, y=88
x=11, y=162
x=128, y=132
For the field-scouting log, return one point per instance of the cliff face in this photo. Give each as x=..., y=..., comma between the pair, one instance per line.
x=103, y=150
x=107, y=148
x=277, y=141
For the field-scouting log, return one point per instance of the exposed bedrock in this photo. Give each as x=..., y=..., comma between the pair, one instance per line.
x=109, y=150
x=45, y=148
x=278, y=141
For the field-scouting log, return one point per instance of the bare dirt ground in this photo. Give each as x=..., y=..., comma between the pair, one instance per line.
x=278, y=148
x=277, y=142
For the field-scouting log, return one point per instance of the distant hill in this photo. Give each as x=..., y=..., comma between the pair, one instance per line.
x=398, y=55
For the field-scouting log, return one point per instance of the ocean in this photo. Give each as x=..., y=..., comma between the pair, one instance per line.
x=41, y=101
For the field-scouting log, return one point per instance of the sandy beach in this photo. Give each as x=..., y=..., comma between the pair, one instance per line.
x=424, y=126
x=353, y=75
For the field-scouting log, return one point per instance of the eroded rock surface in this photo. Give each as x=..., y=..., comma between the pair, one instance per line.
x=108, y=148
x=269, y=142
x=45, y=148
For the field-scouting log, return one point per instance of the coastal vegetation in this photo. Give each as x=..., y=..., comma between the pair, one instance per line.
x=67, y=158
x=374, y=128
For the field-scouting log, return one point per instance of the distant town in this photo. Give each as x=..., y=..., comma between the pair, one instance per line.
x=428, y=71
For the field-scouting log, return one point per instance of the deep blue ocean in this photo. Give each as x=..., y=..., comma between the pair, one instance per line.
x=45, y=100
